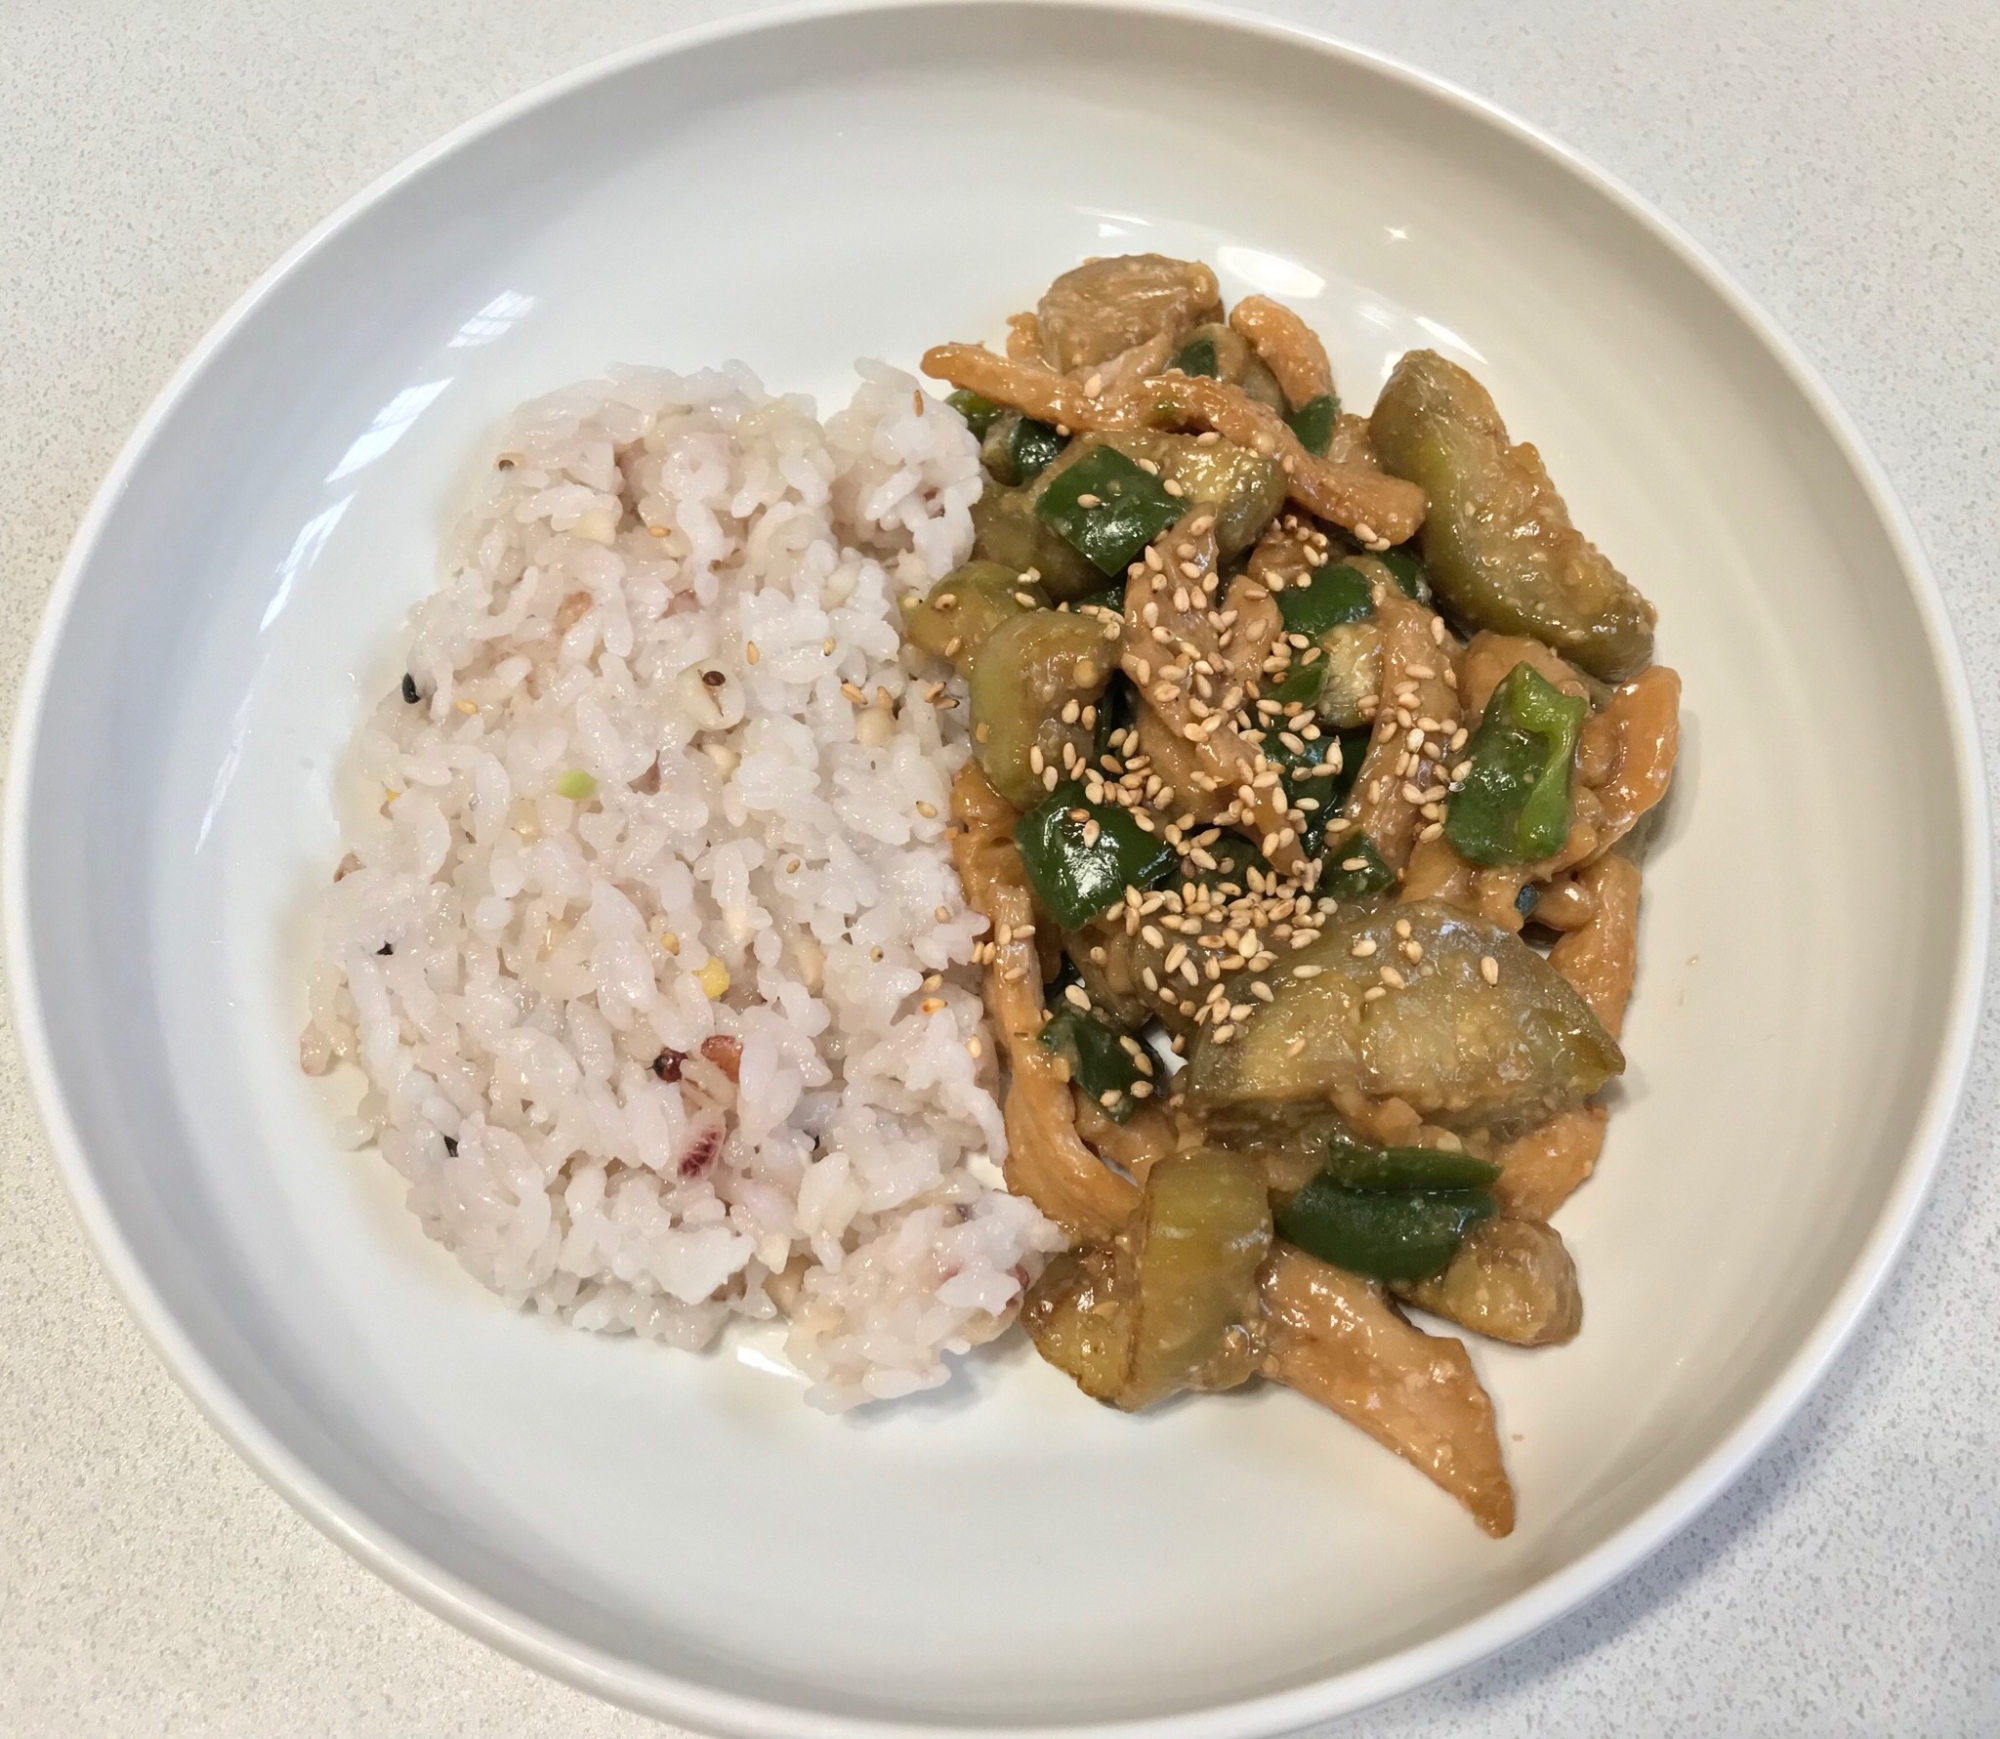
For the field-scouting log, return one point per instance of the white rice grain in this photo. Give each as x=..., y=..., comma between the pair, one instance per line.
x=604, y=833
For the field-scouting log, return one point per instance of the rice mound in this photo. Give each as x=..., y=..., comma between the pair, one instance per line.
x=667, y=779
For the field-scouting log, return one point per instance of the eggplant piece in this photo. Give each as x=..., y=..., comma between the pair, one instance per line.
x=1005, y=530
x=1174, y=1304
x=1512, y=1280
x=1079, y=1319
x=1105, y=307
x=1351, y=664
x=1497, y=538
x=1022, y=679
x=966, y=606
x=1468, y=1045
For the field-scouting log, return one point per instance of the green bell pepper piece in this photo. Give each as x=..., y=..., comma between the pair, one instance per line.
x=1130, y=508
x=1401, y=1235
x=1197, y=356
x=1355, y=1166
x=1075, y=879
x=1032, y=448
x=1313, y=423
x=1299, y=769
x=1411, y=574
x=1099, y=1061
x=1234, y=858
x=1354, y=868
x=1514, y=804
x=1332, y=596
x=978, y=412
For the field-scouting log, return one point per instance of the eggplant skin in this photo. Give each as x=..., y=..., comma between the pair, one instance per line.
x=1512, y=1280
x=1173, y=1303
x=1497, y=538
x=1469, y=1054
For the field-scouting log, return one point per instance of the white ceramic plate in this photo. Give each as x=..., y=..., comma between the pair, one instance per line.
x=679, y=1533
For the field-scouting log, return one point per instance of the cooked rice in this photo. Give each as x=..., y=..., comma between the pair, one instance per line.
x=515, y=969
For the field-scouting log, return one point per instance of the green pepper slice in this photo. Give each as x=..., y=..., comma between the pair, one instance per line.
x=1411, y=574
x=1033, y=447
x=1104, y=1060
x=978, y=412
x=1197, y=356
x=1401, y=1235
x=1107, y=509
x=1333, y=596
x=1300, y=770
x=1117, y=710
x=1080, y=856
x=1354, y=868
x=1301, y=683
x=1356, y=1166
x=1233, y=858
x=1313, y=423
x=1514, y=804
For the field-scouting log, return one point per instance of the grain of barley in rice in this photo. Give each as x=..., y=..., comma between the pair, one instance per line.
x=648, y=940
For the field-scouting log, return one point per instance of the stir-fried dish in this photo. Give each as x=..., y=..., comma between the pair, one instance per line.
x=1312, y=756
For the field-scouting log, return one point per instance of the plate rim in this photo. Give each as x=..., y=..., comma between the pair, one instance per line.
x=659, y=1693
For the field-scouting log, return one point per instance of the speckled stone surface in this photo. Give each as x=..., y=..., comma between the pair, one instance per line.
x=1840, y=157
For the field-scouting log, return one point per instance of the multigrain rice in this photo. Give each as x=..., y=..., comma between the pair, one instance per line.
x=647, y=939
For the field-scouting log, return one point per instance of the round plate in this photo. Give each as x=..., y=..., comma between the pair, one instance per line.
x=680, y=1533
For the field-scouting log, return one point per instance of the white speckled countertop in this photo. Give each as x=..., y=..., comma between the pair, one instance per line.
x=1839, y=157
